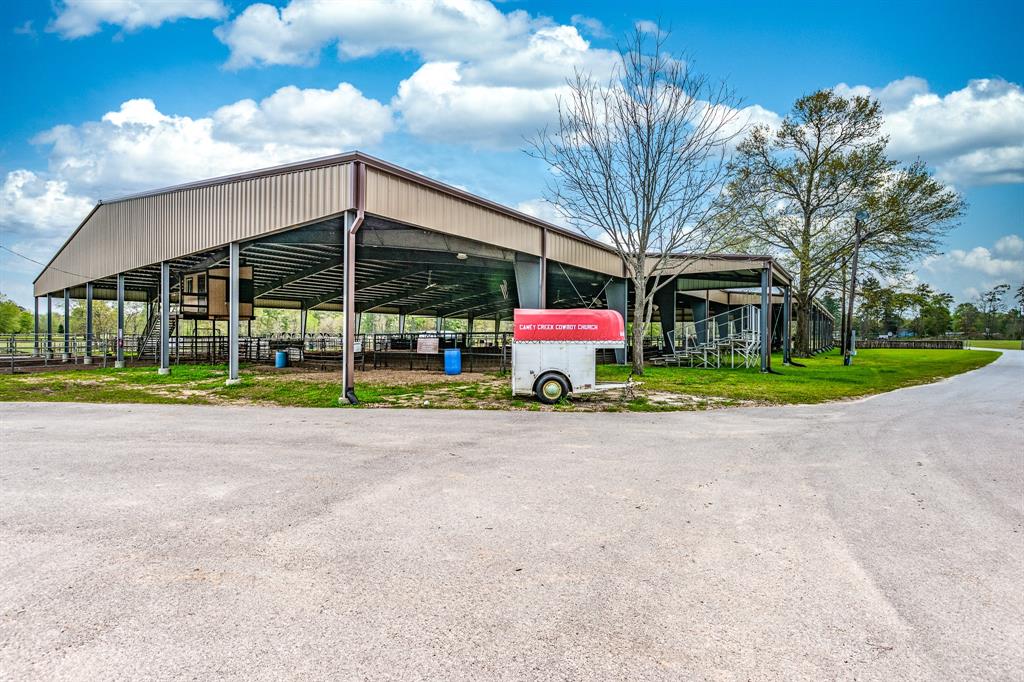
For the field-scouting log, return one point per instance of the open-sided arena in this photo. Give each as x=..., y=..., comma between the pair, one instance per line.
x=355, y=234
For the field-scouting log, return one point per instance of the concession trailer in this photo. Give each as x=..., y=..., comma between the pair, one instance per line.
x=554, y=351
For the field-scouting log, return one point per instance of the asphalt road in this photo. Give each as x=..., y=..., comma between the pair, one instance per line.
x=878, y=539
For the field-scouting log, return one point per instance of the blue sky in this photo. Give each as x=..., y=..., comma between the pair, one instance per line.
x=110, y=97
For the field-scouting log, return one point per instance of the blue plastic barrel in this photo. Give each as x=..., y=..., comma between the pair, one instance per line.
x=452, y=361
x=281, y=358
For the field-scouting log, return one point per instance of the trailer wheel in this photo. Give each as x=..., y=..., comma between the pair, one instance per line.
x=550, y=388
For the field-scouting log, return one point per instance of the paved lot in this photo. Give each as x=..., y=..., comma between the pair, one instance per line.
x=878, y=539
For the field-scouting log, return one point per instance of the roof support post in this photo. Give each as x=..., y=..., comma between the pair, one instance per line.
x=165, y=317
x=438, y=323
x=813, y=319
x=49, y=327
x=349, y=309
x=67, y=326
x=88, y=324
x=787, y=322
x=303, y=319
x=543, y=269
x=616, y=299
x=529, y=280
x=119, y=359
x=401, y=323
x=35, y=325
x=665, y=299
x=817, y=317
x=721, y=319
x=701, y=311
x=765, y=322
x=234, y=256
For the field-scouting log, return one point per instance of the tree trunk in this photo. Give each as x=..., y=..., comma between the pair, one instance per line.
x=803, y=324
x=639, y=327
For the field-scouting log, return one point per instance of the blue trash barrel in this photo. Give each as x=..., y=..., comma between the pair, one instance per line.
x=452, y=361
x=281, y=358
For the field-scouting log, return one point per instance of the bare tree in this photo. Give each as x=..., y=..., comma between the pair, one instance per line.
x=639, y=162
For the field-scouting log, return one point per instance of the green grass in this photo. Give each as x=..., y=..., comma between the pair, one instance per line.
x=1007, y=344
x=823, y=378
x=663, y=389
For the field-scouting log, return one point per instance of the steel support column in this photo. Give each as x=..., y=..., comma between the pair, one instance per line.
x=119, y=359
x=35, y=325
x=234, y=255
x=617, y=299
x=303, y=315
x=67, y=325
x=88, y=324
x=49, y=327
x=665, y=299
x=401, y=323
x=719, y=311
x=165, y=317
x=787, y=321
x=765, y=322
x=349, y=308
x=699, y=311
x=529, y=281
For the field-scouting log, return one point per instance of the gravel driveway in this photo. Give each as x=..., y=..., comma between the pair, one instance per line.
x=876, y=539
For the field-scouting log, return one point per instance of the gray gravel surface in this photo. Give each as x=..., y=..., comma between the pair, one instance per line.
x=877, y=539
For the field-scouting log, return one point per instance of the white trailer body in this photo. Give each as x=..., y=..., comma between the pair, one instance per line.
x=549, y=365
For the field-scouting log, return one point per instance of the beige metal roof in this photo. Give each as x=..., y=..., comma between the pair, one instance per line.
x=172, y=223
x=144, y=229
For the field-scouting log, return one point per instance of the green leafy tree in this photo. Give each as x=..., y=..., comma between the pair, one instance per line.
x=796, y=190
x=991, y=305
x=13, y=318
x=967, y=319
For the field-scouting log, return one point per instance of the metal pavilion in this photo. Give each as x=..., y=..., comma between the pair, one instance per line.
x=352, y=233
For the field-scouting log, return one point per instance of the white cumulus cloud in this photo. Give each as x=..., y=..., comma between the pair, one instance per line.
x=138, y=146
x=488, y=77
x=339, y=118
x=974, y=135
x=36, y=215
x=435, y=103
x=33, y=204
x=964, y=272
x=434, y=29
x=79, y=18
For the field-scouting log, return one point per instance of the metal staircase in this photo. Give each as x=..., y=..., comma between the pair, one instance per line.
x=732, y=337
x=149, y=342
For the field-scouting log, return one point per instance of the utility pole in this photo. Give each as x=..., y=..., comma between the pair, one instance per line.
x=848, y=350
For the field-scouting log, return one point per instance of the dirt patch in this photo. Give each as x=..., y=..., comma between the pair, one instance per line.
x=374, y=376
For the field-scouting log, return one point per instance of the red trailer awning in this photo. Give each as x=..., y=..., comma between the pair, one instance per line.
x=573, y=324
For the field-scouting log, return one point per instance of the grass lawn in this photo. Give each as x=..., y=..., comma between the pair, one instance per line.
x=1005, y=344
x=822, y=378
x=663, y=388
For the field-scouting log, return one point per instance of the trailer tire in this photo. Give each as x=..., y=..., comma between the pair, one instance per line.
x=550, y=388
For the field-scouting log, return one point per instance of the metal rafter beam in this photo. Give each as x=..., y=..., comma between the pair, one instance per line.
x=434, y=304
x=315, y=269
x=387, y=254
